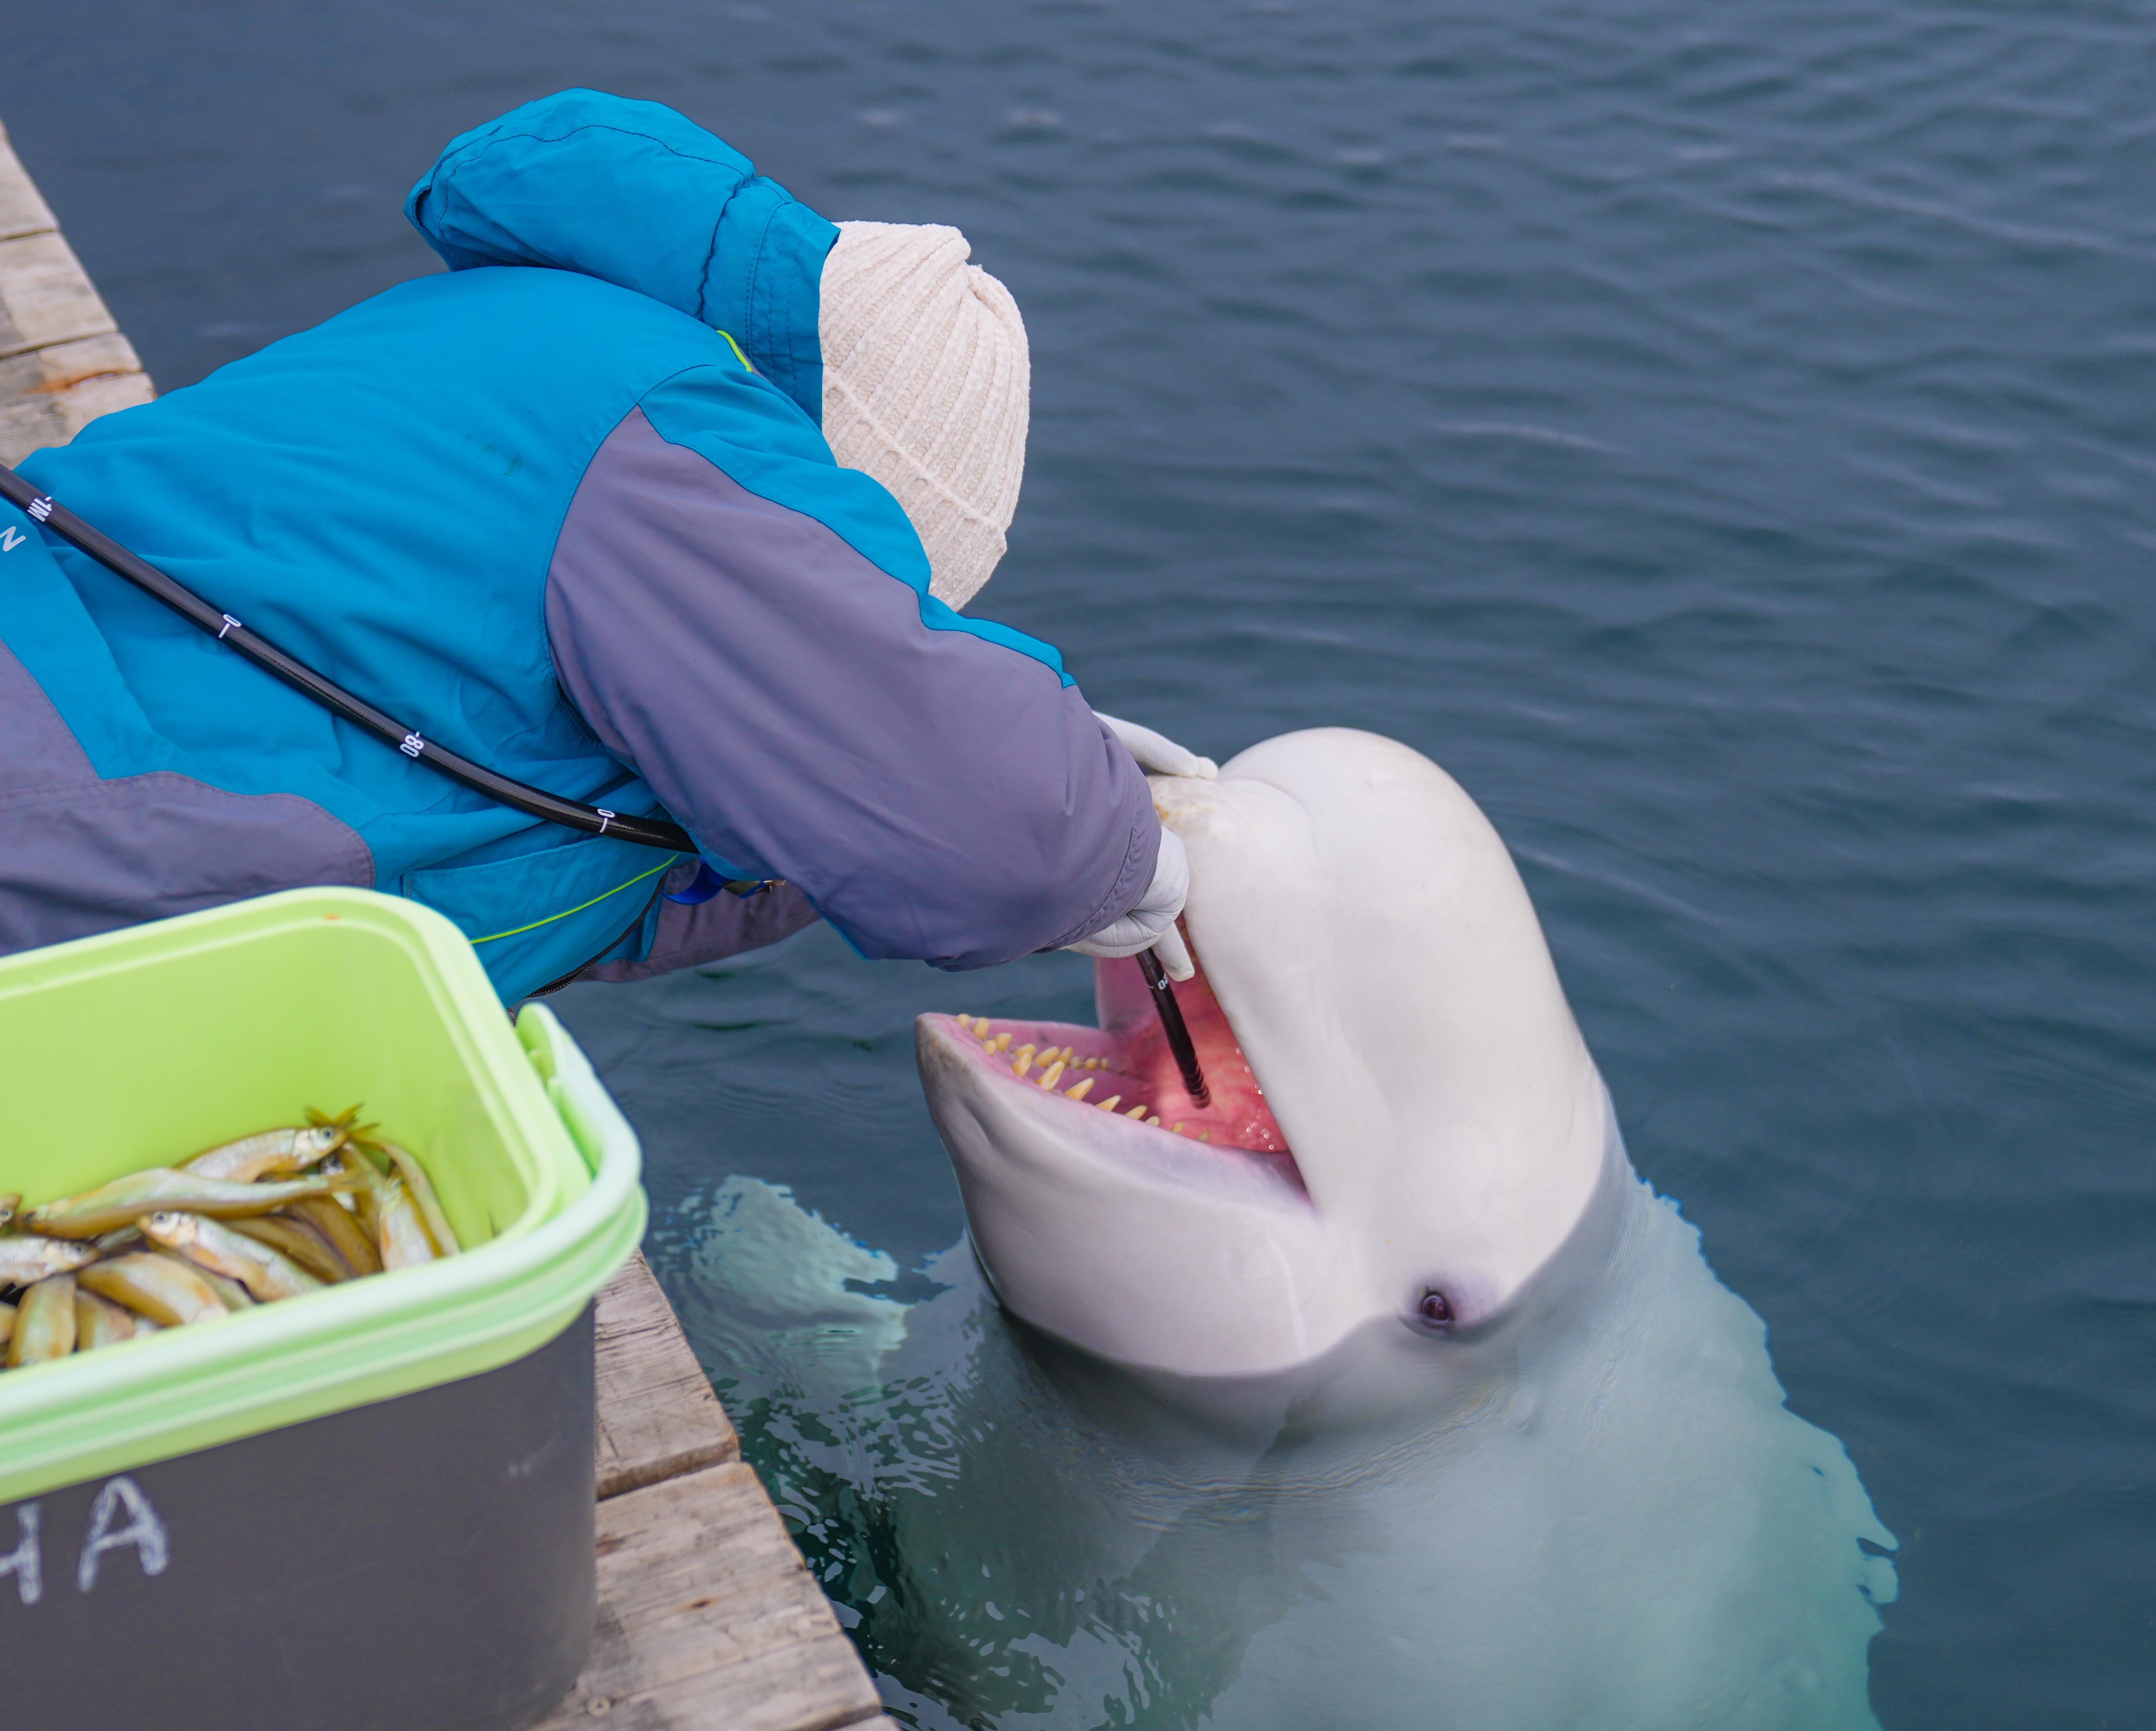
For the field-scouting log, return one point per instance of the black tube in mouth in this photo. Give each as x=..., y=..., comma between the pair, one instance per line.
x=1172, y=1024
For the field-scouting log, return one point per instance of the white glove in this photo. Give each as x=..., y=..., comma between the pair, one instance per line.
x=1157, y=754
x=1151, y=925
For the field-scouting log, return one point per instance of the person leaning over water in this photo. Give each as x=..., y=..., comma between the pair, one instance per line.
x=662, y=499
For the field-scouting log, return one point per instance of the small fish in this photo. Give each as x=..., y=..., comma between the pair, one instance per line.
x=267, y=1273
x=169, y=1292
x=9, y=1201
x=126, y=1200
x=25, y=1259
x=295, y=1238
x=404, y=1239
x=44, y=1323
x=423, y=1193
x=356, y=1165
x=7, y=1327
x=232, y=1296
x=329, y=1216
x=128, y=1237
x=268, y=1151
x=99, y=1322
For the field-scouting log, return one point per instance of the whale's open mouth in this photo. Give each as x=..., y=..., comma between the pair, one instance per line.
x=1124, y=1069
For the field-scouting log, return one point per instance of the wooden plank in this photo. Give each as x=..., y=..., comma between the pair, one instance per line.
x=709, y=1620
x=60, y=366
x=50, y=394
x=658, y=1417
x=44, y=296
x=22, y=209
x=63, y=363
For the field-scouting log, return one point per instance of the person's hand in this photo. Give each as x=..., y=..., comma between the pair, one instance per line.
x=1157, y=754
x=1151, y=925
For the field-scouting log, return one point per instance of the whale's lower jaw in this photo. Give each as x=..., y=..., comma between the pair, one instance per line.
x=1125, y=1238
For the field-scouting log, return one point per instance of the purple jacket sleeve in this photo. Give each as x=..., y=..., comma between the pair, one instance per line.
x=933, y=794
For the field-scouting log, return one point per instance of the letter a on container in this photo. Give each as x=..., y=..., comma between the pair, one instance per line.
x=143, y=1530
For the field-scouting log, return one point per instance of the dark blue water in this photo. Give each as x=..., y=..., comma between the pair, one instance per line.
x=1724, y=436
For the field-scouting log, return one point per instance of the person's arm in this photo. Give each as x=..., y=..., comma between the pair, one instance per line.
x=724, y=614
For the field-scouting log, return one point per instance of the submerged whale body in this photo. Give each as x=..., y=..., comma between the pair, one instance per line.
x=1607, y=1519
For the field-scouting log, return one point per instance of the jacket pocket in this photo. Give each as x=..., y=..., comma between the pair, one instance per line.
x=539, y=915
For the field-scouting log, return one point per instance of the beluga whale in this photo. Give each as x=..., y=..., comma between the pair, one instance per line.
x=1377, y=1388
x=1404, y=1124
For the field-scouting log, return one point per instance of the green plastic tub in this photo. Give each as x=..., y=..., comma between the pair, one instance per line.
x=142, y=1046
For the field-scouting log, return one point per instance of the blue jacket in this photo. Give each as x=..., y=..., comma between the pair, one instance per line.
x=567, y=510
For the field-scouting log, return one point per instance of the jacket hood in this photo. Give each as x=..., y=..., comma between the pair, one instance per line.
x=641, y=196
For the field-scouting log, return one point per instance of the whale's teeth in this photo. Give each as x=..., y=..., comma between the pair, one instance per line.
x=1155, y=1123
x=1081, y=1091
x=1138, y=1111
x=1111, y=1103
x=1002, y=1041
x=1047, y=1076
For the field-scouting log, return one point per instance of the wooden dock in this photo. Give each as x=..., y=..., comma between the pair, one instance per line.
x=62, y=362
x=708, y=1618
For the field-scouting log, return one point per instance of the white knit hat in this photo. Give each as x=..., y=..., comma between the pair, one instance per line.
x=926, y=387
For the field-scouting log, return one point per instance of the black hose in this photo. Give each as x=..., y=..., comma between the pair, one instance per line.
x=1180, y=1041
x=532, y=802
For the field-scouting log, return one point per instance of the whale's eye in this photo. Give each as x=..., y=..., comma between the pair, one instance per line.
x=1436, y=1310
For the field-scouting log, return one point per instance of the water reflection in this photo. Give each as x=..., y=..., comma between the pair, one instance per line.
x=1599, y=1514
